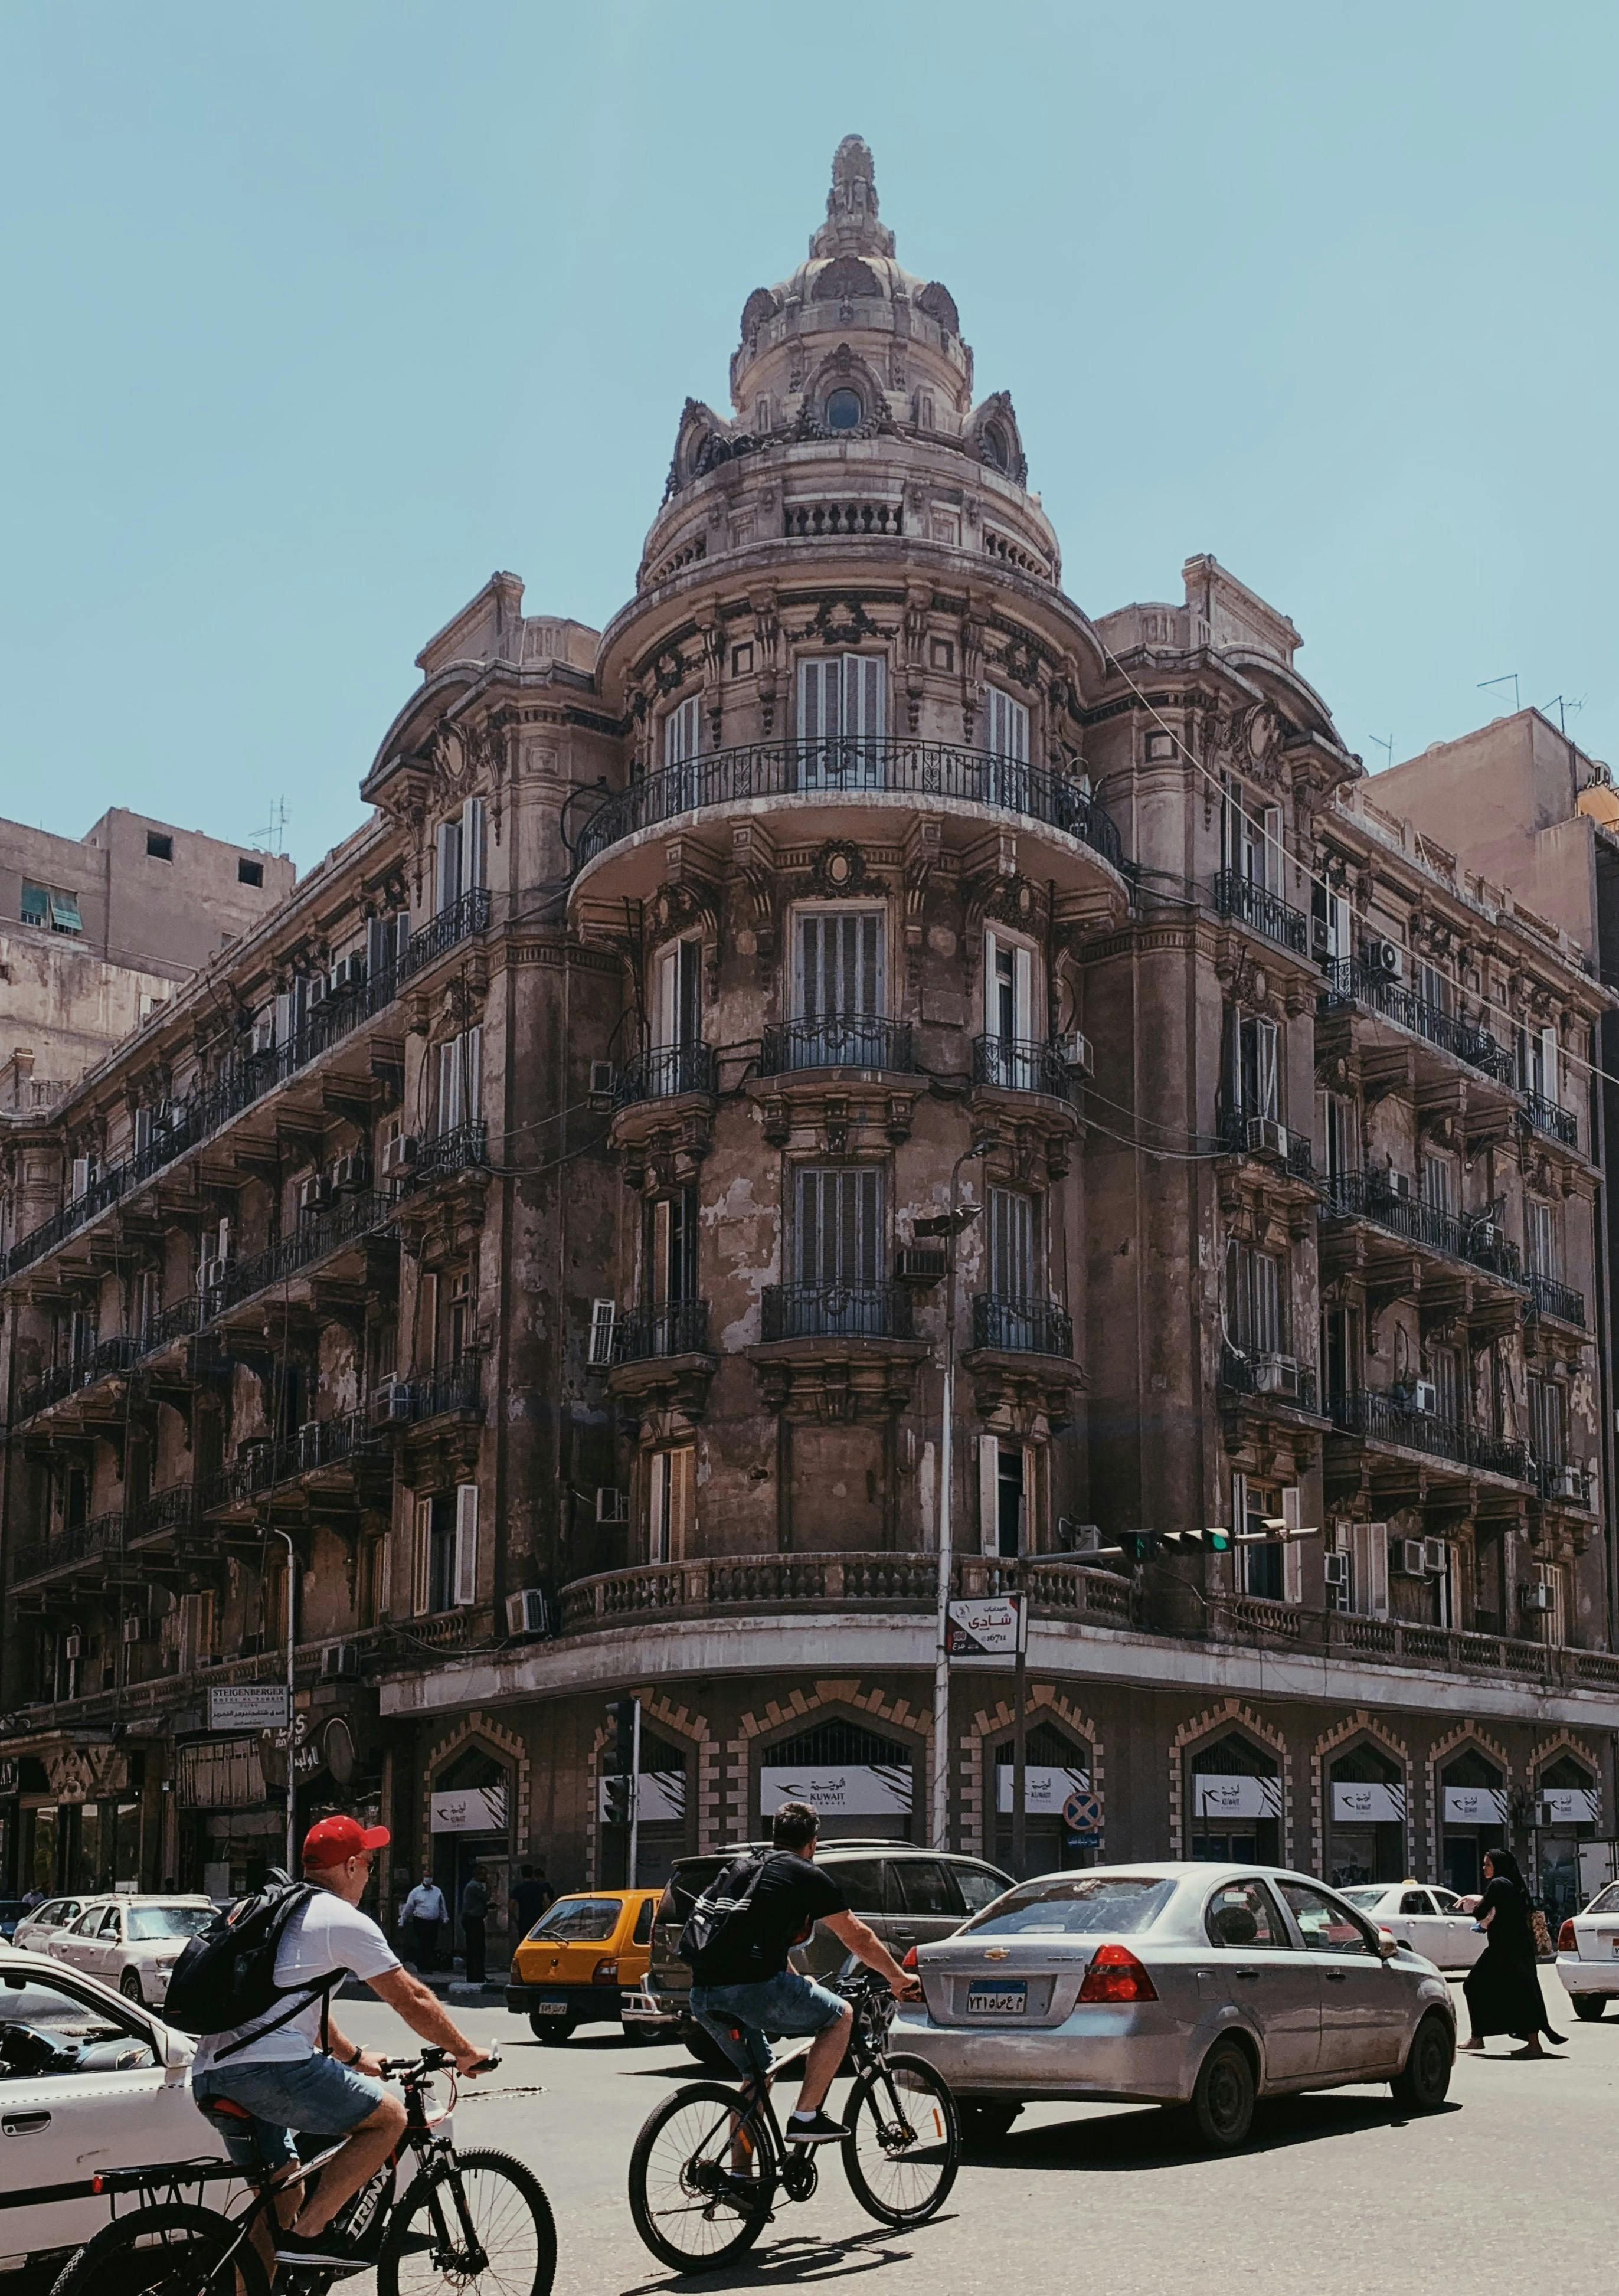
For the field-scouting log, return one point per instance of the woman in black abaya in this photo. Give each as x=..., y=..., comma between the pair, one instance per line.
x=1503, y=1985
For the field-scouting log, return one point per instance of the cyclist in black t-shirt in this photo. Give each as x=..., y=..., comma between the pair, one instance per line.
x=751, y=1992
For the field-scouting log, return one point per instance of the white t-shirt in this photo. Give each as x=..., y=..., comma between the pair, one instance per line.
x=327, y=1934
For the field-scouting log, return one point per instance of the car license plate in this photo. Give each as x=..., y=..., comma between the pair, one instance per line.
x=1002, y=1999
x=1613, y=1947
x=553, y=2008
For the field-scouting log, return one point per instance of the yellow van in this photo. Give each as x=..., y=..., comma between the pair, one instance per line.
x=581, y=1957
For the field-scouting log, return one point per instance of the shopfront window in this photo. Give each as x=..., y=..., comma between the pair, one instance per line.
x=1057, y=1769
x=1234, y=1796
x=1366, y=1818
x=1473, y=1814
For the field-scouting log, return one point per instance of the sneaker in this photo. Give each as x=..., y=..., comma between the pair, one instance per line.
x=328, y=2250
x=814, y=2128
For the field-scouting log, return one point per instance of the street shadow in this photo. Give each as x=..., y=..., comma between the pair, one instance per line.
x=1125, y=2142
x=793, y=2263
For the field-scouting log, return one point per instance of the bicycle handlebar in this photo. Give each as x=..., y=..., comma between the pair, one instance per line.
x=432, y=2060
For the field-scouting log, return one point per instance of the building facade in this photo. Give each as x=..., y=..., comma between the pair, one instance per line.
x=527, y=1236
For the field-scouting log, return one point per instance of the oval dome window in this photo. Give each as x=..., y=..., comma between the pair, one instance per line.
x=843, y=410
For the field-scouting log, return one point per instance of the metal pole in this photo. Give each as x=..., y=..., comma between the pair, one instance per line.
x=286, y=1539
x=635, y=1792
x=940, y=1813
x=1020, y=1747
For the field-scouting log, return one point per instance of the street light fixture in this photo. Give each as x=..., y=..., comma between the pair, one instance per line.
x=950, y=1225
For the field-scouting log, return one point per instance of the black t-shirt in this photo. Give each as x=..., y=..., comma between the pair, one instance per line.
x=791, y=1894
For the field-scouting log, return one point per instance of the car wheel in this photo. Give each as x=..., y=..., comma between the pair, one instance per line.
x=1588, y=2006
x=129, y=1986
x=1222, y=2103
x=1423, y=2084
x=985, y=2119
x=706, y=2049
x=553, y=2030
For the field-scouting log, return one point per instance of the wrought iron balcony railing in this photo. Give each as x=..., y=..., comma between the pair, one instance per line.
x=665, y=1072
x=679, y=1327
x=1351, y=981
x=315, y=1236
x=1369, y=1195
x=170, y=1509
x=909, y=769
x=850, y=1311
x=1020, y=1064
x=464, y=1148
x=1548, y=1296
x=837, y=1040
x=1543, y=1115
x=1030, y=1327
x=105, y=1358
x=94, y=1541
x=1260, y=1372
x=333, y=1442
x=1235, y=896
x=1266, y=1138
x=1386, y=1417
x=248, y=1077
x=1564, y=1479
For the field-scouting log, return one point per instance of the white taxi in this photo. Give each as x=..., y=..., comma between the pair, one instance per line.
x=1588, y=1955
x=1421, y=1914
x=132, y=1942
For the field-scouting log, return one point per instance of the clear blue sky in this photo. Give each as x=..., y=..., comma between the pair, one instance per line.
x=317, y=314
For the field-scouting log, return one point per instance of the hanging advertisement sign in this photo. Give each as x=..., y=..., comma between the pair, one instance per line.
x=248, y=1706
x=996, y=1627
x=841, y=1790
x=1227, y=1797
x=660, y=1800
x=472, y=1809
x=1570, y=1806
x=1475, y=1806
x=1368, y=1805
x=1046, y=1788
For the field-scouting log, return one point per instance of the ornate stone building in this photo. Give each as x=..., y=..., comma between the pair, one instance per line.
x=531, y=1231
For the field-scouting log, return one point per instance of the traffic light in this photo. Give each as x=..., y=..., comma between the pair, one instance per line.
x=617, y=1762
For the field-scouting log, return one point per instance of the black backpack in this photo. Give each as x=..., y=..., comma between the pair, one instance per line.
x=718, y=1940
x=226, y=1975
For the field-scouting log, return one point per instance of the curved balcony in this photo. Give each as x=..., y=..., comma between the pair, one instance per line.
x=838, y=1041
x=861, y=788
x=679, y=1327
x=1022, y=1064
x=665, y=1072
x=1029, y=1327
x=1261, y=911
x=1377, y=1416
x=842, y=1311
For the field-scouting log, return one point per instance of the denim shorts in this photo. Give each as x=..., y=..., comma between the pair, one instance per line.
x=739, y=2016
x=315, y=2096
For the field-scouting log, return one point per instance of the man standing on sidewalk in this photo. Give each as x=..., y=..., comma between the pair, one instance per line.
x=474, y=1914
x=419, y=1917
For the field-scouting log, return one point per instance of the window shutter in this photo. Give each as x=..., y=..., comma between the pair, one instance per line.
x=989, y=1494
x=283, y=1017
x=1024, y=961
x=1293, y=1571
x=473, y=1076
x=603, y=1314
x=466, y=1544
x=449, y=1084
x=1271, y=863
x=422, y=1559
x=1268, y=1104
x=666, y=1017
x=379, y=934
x=991, y=987
x=81, y=1177
x=660, y=1252
x=682, y=731
x=470, y=873
x=863, y=707
x=448, y=875
x=1376, y=1555
x=683, y=1480
x=1239, y=1505
x=1551, y=1083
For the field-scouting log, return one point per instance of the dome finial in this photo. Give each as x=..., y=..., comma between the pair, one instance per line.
x=851, y=226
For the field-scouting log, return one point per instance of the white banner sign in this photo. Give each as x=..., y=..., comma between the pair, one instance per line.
x=1235, y=1797
x=474, y=1809
x=992, y=1627
x=1368, y=1805
x=1476, y=1805
x=1570, y=1806
x=844, y=1790
x=248, y=1706
x=661, y=1798
x=1045, y=1789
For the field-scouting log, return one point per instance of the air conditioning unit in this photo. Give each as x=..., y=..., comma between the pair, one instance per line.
x=1435, y=1557
x=351, y=1171
x=528, y=1612
x=394, y=1400
x=604, y=1314
x=309, y=1444
x=1078, y=1538
x=1320, y=940
x=1486, y=1232
x=1425, y=1398
x=1537, y=1597
x=338, y=1663
x=1277, y=1375
x=350, y=972
x=1568, y=1483
x=314, y=1193
x=1337, y=1568
x=1265, y=1136
x=921, y=1263
x=399, y=1153
x=1400, y=1184
x=612, y=1506
x=321, y=987
x=1408, y=1558
x=1077, y=1053
x=71, y=1645
x=603, y=1076
x=135, y=1627
x=1387, y=959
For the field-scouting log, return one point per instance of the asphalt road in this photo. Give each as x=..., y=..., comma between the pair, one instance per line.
x=1514, y=2183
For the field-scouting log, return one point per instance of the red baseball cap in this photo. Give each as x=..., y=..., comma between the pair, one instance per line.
x=334, y=1840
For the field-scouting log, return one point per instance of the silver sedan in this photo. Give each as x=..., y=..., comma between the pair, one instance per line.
x=1188, y=1985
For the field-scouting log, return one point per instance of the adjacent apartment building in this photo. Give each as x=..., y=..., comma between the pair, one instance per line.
x=526, y=1234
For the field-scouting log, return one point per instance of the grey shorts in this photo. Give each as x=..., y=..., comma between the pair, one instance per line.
x=311, y=2096
x=740, y=2016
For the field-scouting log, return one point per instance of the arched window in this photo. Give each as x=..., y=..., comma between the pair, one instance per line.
x=843, y=410
x=1365, y=1818
x=1234, y=1797
x=1568, y=1810
x=1473, y=1815
x=663, y=1828
x=992, y=440
x=856, y=1781
x=1055, y=1767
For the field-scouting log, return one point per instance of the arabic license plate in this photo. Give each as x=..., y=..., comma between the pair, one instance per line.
x=1004, y=1998
x=1613, y=1947
x=553, y=2008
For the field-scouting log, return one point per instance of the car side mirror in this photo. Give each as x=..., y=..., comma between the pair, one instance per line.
x=1388, y=1944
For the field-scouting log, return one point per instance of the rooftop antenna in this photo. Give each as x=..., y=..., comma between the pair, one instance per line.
x=1563, y=703
x=1511, y=678
x=1387, y=747
x=272, y=837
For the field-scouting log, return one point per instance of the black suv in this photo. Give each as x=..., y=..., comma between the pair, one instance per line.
x=909, y=1897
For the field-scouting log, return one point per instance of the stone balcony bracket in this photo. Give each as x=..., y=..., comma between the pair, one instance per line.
x=443, y=1221
x=663, y=1142
x=1028, y=1129
x=654, y=1386
x=1028, y=1395
x=836, y=1379
x=826, y=1111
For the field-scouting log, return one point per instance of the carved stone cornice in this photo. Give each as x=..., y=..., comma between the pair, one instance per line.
x=443, y=1220
x=653, y=1387
x=1028, y=1129
x=836, y=1379
x=663, y=1142
x=829, y=1112
x=1031, y=1396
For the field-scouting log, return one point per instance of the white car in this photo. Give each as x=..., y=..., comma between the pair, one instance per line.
x=1588, y=1955
x=132, y=1943
x=1428, y=1919
x=34, y=1932
x=88, y=2081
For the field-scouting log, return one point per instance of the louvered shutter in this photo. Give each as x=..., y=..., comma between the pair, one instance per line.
x=820, y=718
x=1270, y=856
x=1024, y=1027
x=666, y=1016
x=447, y=875
x=422, y=1557
x=472, y=873
x=989, y=1494
x=1377, y=1559
x=1269, y=1104
x=1293, y=1553
x=466, y=1544
x=1551, y=1081
x=657, y=1514
x=1239, y=1505
x=864, y=715
x=472, y=1075
x=1008, y=727
x=449, y=1084
x=682, y=1493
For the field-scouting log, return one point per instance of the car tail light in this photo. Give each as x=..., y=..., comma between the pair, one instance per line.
x=1567, y=1942
x=1117, y=1975
x=605, y=1972
x=910, y=1961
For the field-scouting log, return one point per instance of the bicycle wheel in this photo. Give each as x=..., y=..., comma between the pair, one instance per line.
x=479, y=2221
x=702, y=2178
x=904, y=2144
x=172, y=2250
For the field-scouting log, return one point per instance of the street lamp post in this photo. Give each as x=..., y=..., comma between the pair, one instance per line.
x=286, y=1537
x=949, y=1227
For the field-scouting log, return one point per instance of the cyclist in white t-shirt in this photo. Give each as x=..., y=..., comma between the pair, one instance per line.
x=259, y=2085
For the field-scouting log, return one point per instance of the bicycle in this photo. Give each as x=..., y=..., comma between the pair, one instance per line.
x=706, y=2166
x=463, y=2216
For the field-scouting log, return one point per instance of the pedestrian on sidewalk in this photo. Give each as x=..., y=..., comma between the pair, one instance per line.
x=529, y=1900
x=420, y=1917
x=1503, y=1985
x=474, y=1914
